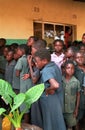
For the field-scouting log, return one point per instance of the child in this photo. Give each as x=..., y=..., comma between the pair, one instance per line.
x=9, y=66
x=58, y=55
x=80, y=75
x=16, y=80
x=69, y=55
x=22, y=68
x=50, y=101
x=71, y=95
x=35, y=74
x=3, y=61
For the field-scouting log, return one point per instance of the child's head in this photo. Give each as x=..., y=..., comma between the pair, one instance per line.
x=6, y=50
x=42, y=57
x=82, y=48
x=22, y=49
x=31, y=40
x=69, y=68
x=2, y=42
x=10, y=55
x=58, y=45
x=38, y=45
x=79, y=58
x=83, y=38
x=70, y=52
x=14, y=46
x=16, y=56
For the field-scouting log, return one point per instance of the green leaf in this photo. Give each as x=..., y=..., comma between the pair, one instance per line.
x=2, y=110
x=6, y=91
x=18, y=100
x=33, y=94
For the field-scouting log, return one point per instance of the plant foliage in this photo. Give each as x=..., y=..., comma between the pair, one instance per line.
x=9, y=96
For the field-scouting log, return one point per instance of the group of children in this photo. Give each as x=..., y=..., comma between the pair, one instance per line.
x=62, y=104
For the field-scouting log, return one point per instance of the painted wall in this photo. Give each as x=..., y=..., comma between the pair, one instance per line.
x=16, y=16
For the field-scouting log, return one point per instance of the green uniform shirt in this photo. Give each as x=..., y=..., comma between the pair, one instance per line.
x=70, y=89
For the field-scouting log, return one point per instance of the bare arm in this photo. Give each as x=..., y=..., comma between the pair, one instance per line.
x=53, y=86
x=34, y=78
x=77, y=104
x=17, y=73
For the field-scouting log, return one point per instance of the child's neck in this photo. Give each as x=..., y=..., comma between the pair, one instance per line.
x=82, y=67
x=58, y=53
x=68, y=77
x=9, y=62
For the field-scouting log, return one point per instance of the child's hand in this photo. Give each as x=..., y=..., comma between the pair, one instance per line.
x=49, y=91
x=26, y=76
x=75, y=113
x=30, y=60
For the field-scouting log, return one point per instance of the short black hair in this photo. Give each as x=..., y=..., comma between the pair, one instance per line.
x=3, y=41
x=79, y=52
x=35, y=38
x=43, y=54
x=69, y=62
x=39, y=44
x=58, y=40
x=83, y=34
x=24, y=47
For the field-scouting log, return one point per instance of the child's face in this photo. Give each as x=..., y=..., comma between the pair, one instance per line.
x=33, y=51
x=79, y=59
x=9, y=56
x=16, y=56
x=39, y=63
x=58, y=47
x=30, y=42
x=83, y=39
x=69, y=54
x=5, y=52
x=69, y=70
x=19, y=52
x=82, y=49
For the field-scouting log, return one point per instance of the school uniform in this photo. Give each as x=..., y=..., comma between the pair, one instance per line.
x=50, y=106
x=9, y=71
x=23, y=67
x=16, y=82
x=2, y=66
x=80, y=74
x=70, y=90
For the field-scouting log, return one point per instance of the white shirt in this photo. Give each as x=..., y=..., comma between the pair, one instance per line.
x=57, y=59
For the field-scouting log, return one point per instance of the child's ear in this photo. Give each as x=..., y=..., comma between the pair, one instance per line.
x=45, y=61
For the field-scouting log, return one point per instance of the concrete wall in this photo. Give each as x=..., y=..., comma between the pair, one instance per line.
x=16, y=16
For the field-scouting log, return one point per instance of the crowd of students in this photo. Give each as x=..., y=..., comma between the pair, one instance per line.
x=62, y=104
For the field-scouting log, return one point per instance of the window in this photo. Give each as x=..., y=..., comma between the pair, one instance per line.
x=52, y=31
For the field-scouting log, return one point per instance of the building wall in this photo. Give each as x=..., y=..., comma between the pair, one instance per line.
x=16, y=16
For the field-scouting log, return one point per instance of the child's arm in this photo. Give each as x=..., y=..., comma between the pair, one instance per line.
x=17, y=73
x=77, y=104
x=26, y=76
x=2, y=71
x=53, y=86
x=33, y=75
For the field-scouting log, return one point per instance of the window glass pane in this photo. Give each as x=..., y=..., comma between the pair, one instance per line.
x=59, y=32
x=37, y=29
x=68, y=35
x=49, y=33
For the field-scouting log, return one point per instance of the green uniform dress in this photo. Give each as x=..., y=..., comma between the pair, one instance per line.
x=23, y=67
x=70, y=90
x=80, y=75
